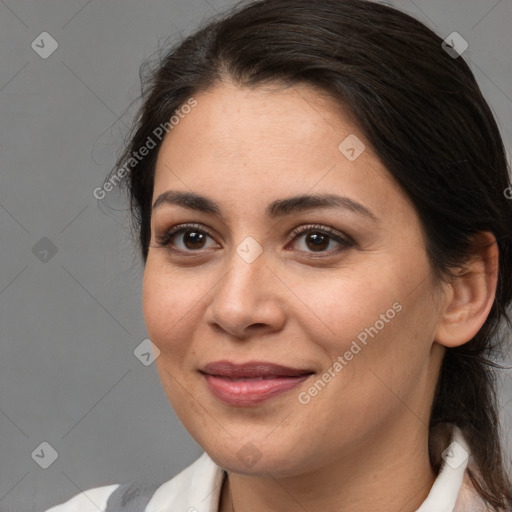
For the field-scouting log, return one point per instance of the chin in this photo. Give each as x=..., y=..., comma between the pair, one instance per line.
x=253, y=459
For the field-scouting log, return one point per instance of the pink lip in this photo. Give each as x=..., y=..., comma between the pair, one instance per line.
x=252, y=383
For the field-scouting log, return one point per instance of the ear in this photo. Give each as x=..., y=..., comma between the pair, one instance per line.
x=470, y=295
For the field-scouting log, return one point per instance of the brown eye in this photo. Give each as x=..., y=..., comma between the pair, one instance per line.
x=317, y=239
x=184, y=238
x=189, y=238
x=193, y=239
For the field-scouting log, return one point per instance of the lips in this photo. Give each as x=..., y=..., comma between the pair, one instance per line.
x=251, y=383
x=251, y=370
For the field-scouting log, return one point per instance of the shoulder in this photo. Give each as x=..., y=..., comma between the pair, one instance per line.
x=91, y=500
x=196, y=488
x=198, y=479
x=469, y=500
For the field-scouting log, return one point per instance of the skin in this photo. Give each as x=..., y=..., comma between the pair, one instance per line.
x=362, y=443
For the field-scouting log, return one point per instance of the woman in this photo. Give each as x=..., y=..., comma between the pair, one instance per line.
x=318, y=189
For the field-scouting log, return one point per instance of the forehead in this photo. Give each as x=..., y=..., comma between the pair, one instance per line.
x=271, y=141
x=234, y=118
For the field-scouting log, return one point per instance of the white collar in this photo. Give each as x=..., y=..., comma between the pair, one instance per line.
x=197, y=488
x=446, y=489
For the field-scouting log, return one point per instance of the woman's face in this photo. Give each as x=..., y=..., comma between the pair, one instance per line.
x=348, y=305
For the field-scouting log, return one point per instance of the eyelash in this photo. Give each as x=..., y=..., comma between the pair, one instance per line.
x=164, y=239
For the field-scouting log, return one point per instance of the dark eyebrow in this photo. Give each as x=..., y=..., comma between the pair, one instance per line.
x=278, y=208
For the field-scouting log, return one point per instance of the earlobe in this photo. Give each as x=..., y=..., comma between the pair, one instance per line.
x=471, y=294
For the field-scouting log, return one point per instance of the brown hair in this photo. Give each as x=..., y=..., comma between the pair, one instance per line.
x=427, y=121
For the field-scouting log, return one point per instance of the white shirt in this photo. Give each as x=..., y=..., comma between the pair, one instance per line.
x=197, y=488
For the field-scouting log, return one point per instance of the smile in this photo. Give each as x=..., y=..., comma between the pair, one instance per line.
x=250, y=384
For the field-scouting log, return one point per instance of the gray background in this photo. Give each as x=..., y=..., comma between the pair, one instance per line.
x=69, y=325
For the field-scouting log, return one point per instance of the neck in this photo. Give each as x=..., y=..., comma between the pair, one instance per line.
x=390, y=471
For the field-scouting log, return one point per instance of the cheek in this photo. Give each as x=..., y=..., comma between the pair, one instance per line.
x=376, y=324
x=167, y=304
x=168, y=309
x=345, y=307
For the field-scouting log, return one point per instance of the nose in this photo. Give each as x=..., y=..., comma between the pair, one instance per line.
x=249, y=299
